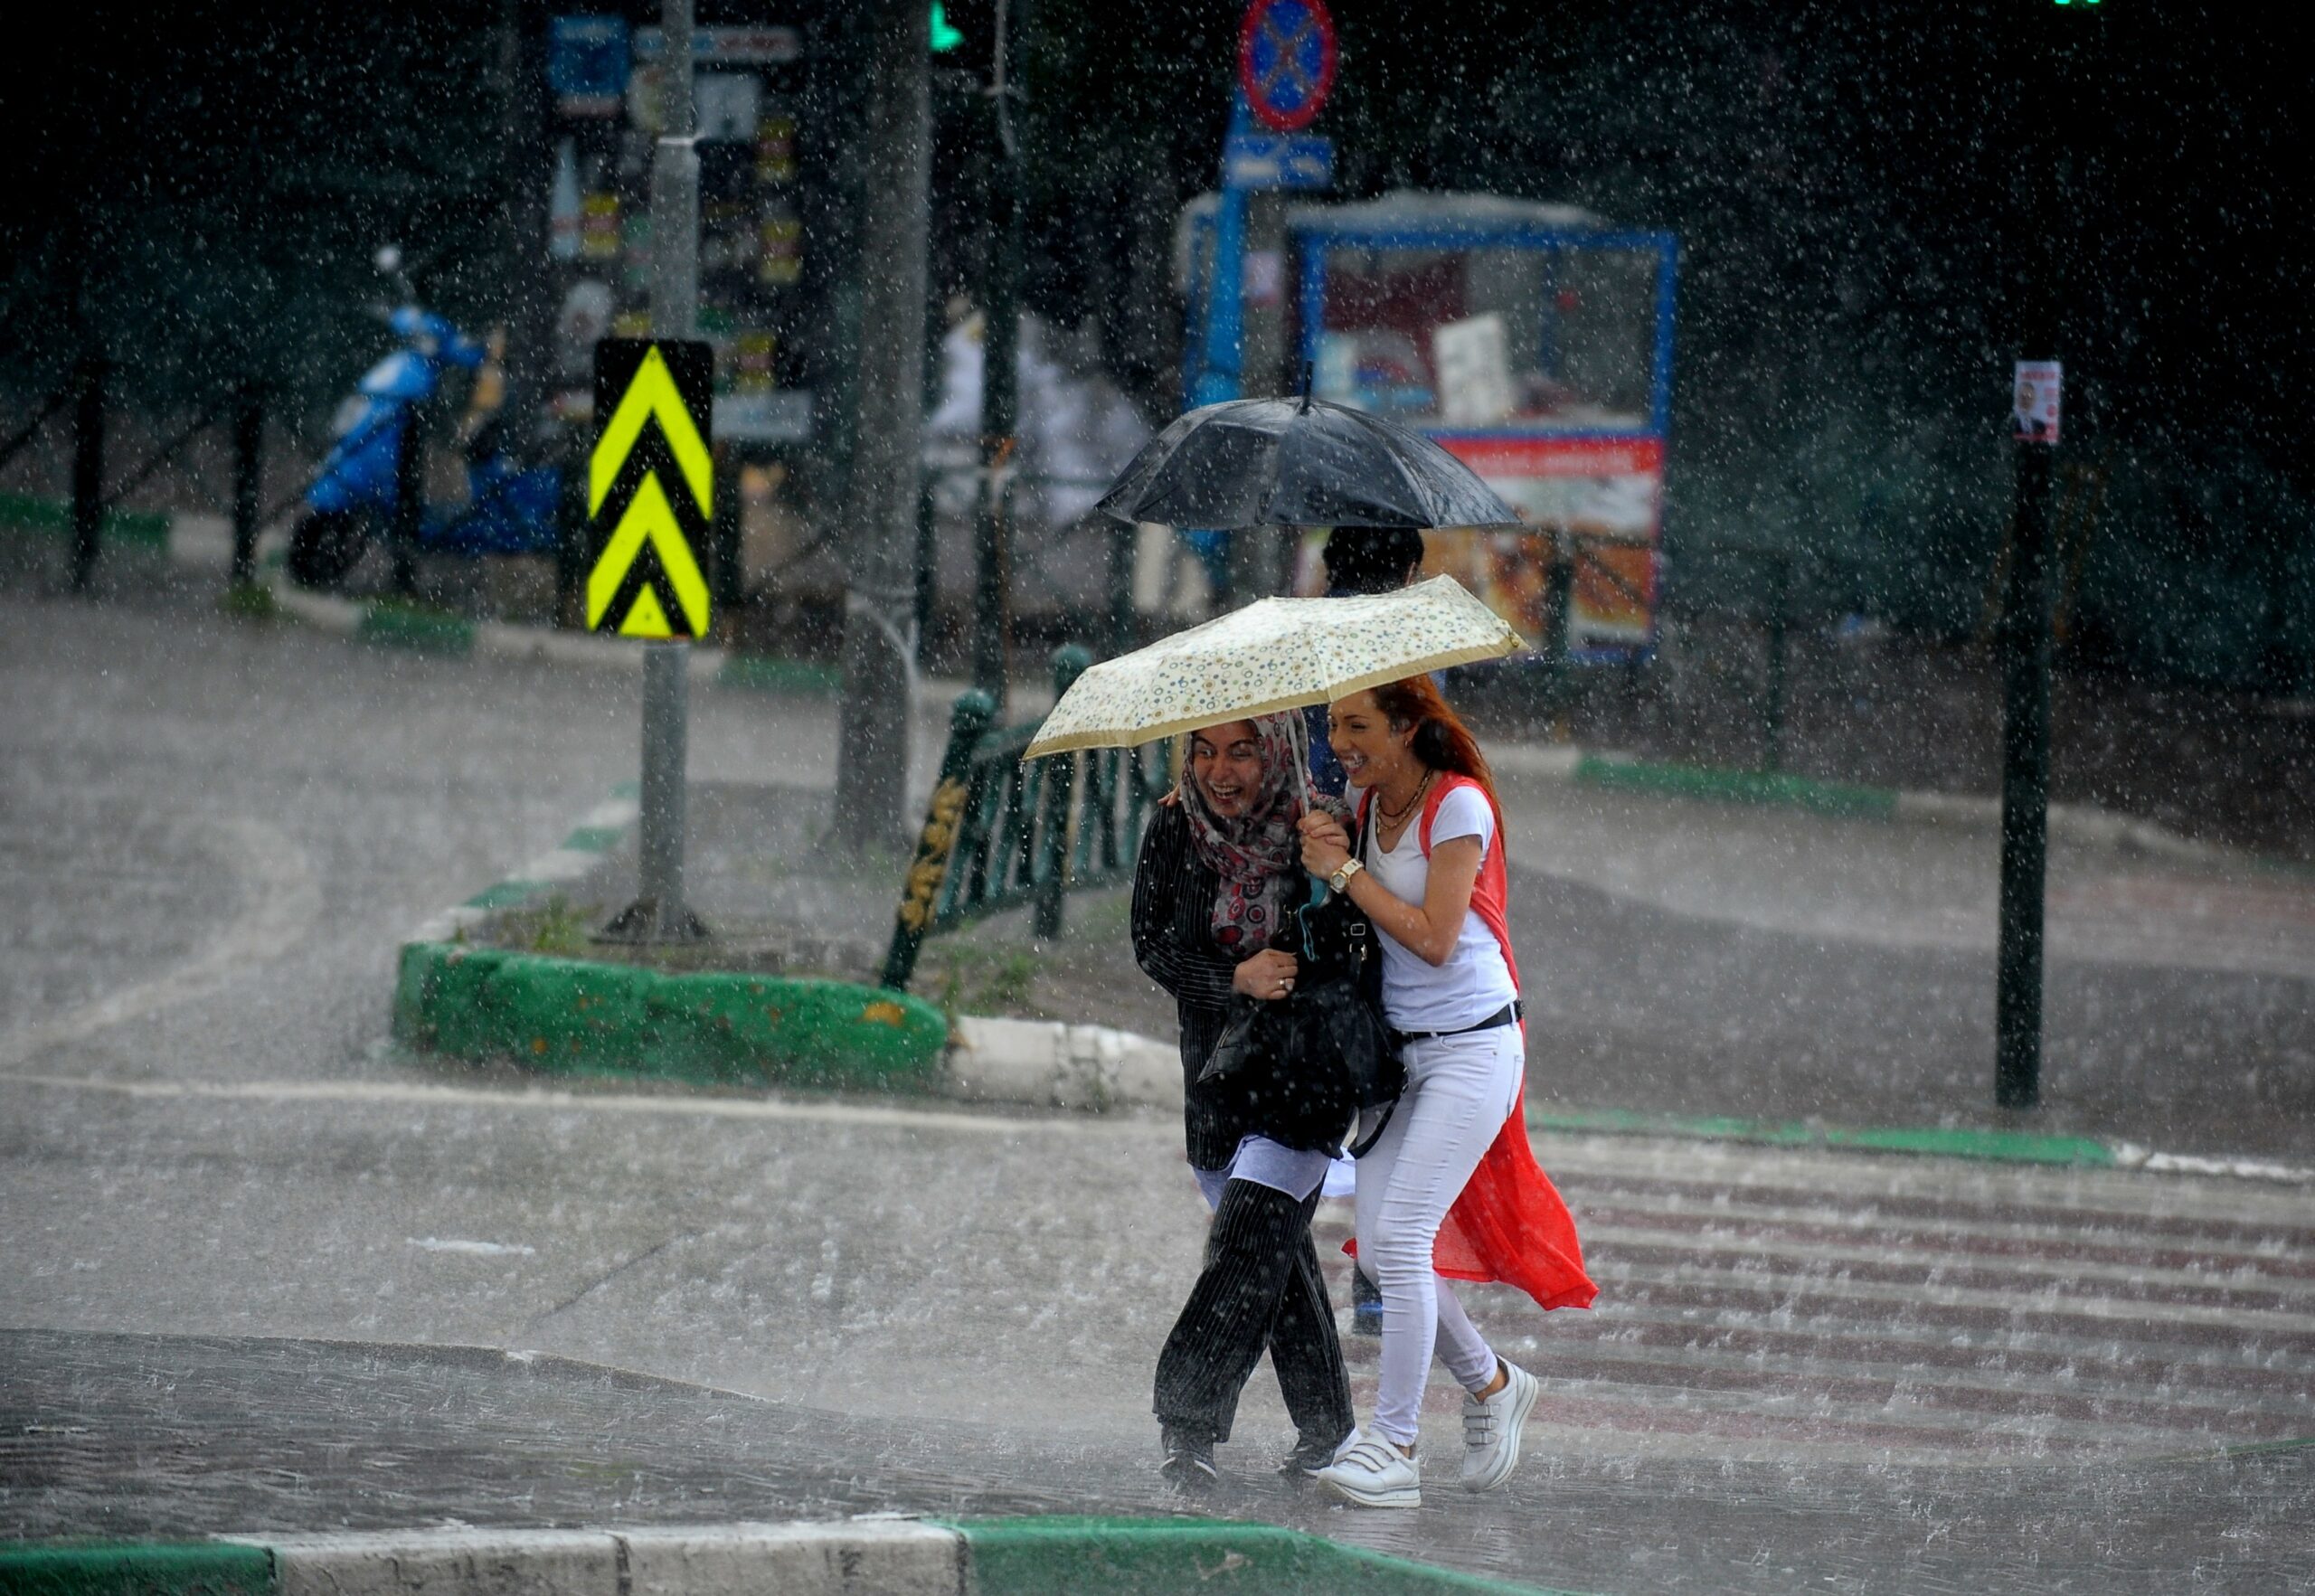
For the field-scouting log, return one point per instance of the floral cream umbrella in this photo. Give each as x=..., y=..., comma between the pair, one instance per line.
x=1274, y=653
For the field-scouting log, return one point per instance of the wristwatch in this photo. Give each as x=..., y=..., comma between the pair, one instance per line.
x=1340, y=880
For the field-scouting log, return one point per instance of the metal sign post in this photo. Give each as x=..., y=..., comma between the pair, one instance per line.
x=1286, y=68
x=2040, y=244
x=2024, y=646
x=651, y=499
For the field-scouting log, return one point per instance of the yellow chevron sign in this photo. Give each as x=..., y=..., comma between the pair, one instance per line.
x=650, y=487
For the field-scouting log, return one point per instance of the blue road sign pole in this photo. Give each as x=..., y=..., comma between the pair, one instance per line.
x=1221, y=350
x=1220, y=364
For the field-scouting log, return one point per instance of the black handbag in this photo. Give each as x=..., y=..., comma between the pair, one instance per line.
x=1312, y=1065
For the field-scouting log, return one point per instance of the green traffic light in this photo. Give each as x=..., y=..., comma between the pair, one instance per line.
x=945, y=37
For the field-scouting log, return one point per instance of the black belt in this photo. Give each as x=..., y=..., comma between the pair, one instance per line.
x=1510, y=1013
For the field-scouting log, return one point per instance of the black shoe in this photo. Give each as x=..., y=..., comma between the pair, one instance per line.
x=1189, y=1466
x=1308, y=1457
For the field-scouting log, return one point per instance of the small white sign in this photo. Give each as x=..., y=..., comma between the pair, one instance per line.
x=726, y=104
x=1266, y=278
x=1474, y=371
x=2034, y=402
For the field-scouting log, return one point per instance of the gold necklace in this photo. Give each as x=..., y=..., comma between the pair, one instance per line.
x=1392, y=816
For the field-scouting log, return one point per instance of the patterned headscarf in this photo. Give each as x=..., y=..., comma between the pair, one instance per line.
x=1258, y=854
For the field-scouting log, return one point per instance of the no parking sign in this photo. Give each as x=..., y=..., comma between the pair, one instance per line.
x=1286, y=62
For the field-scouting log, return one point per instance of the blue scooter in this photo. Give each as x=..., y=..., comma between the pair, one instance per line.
x=511, y=509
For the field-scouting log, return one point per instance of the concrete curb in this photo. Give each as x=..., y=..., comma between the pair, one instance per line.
x=887, y=1556
x=1060, y=1556
x=1054, y=1065
x=1998, y=1147
x=32, y=513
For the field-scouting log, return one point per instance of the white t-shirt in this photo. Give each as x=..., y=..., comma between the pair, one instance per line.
x=1474, y=982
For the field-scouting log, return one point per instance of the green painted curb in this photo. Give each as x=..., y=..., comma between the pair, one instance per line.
x=249, y=601
x=32, y=513
x=506, y=894
x=405, y=626
x=1741, y=787
x=191, y=1568
x=2010, y=1146
x=769, y=673
x=578, y=1016
x=1061, y=1556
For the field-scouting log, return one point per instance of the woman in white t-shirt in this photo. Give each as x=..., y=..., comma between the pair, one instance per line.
x=1450, y=1186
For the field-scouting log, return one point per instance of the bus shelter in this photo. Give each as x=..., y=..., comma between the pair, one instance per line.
x=1533, y=340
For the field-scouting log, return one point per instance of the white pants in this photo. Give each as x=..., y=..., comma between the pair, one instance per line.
x=1459, y=1090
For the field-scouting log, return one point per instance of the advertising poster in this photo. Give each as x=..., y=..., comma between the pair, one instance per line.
x=1604, y=495
x=2034, y=402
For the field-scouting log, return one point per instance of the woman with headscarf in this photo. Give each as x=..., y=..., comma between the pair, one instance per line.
x=1220, y=864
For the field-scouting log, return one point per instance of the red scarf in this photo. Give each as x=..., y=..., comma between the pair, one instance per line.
x=1510, y=1223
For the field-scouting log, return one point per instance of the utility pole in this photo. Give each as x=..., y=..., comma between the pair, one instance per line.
x=879, y=641
x=1000, y=365
x=2037, y=233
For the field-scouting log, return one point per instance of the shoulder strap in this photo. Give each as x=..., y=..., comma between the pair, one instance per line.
x=1455, y=780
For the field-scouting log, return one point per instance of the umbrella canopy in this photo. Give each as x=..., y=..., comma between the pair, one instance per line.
x=1300, y=462
x=1274, y=653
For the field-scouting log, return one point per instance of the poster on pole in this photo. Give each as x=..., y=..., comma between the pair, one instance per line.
x=2034, y=402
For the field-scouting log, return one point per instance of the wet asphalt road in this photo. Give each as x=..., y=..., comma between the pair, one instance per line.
x=1808, y=1369
x=1654, y=1007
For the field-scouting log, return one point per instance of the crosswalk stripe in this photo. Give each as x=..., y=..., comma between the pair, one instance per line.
x=2244, y=1286
x=2268, y=1250
x=1757, y=1299
x=2000, y=1356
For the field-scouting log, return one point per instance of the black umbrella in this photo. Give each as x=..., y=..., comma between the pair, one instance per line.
x=1298, y=462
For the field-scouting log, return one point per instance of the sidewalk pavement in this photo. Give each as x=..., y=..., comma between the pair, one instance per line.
x=353, y=1471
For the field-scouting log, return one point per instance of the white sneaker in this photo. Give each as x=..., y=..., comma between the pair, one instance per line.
x=1491, y=1429
x=1373, y=1473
